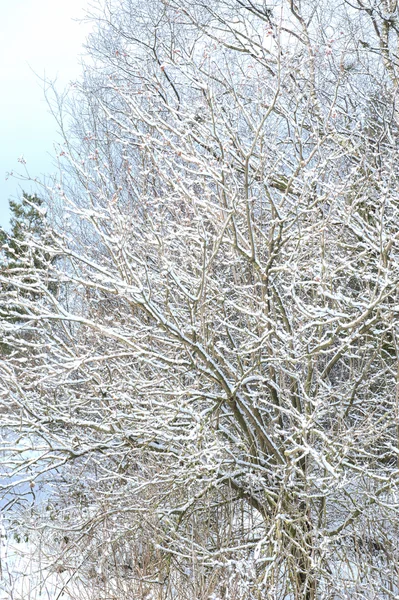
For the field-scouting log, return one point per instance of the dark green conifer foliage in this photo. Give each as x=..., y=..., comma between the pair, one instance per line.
x=22, y=256
x=27, y=219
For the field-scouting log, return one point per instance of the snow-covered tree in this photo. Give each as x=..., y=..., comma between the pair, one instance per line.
x=219, y=396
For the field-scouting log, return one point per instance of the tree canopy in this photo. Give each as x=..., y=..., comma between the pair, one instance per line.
x=214, y=404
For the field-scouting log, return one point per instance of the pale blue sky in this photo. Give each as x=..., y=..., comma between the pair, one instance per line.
x=36, y=36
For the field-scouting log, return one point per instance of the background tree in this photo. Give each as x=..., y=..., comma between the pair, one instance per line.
x=224, y=379
x=21, y=251
x=27, y=219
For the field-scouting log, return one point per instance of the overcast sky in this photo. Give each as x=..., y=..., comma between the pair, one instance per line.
x=36, y=36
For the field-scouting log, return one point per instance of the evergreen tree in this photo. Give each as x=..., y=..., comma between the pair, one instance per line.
x=28, y=219
x=21, y=259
